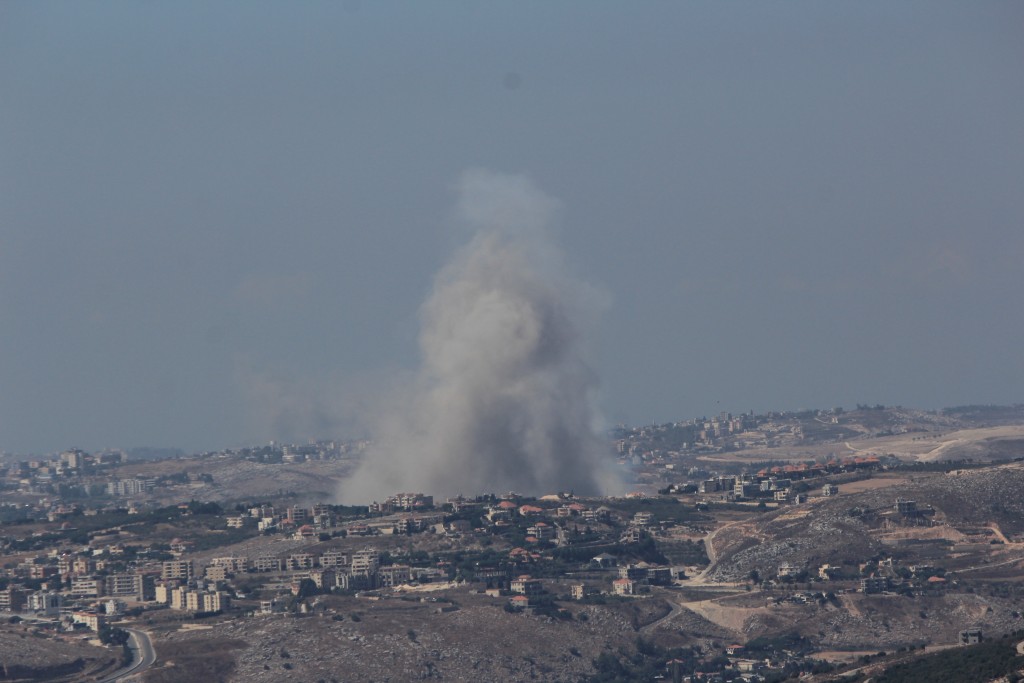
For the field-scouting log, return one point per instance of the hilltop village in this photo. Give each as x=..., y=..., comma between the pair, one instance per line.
x=821, y=544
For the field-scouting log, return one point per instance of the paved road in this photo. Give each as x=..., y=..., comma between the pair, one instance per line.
x=676, y=609
x=143, y=656
x=990, y=566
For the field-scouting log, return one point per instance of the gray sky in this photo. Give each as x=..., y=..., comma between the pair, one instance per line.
x=218, y=219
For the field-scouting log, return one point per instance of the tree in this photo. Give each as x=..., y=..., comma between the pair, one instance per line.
x=307, y=587
x=112, y=635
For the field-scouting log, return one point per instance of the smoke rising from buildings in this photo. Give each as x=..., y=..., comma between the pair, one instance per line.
x=504, y=399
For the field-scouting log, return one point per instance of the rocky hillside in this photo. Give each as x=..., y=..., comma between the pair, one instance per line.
x=471, y=639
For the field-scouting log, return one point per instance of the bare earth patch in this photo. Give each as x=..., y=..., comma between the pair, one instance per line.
x=873, y=484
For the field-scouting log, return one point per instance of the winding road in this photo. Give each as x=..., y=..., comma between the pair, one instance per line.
x=700, y=580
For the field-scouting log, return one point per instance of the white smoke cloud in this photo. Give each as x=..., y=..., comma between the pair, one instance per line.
x=504, y=399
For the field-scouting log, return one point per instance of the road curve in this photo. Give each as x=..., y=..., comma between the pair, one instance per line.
x=143, y=656
x=676, y=608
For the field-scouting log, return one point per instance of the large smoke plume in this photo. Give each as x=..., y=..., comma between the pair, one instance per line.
x=504, y=399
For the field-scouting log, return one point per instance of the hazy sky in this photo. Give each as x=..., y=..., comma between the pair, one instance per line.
x=218, y=220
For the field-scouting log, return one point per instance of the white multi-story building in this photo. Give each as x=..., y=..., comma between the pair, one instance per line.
x=194, y=601
x=215, y=601
x=179, y=597
x=129, y=487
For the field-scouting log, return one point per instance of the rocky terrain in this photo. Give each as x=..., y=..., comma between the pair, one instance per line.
x=469, y=639
x=850, y=528
x=854, y=621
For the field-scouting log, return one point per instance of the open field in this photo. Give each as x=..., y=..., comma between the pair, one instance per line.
x=983, y=443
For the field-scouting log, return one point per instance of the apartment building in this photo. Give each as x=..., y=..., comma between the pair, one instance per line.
x=126, y=586
x=181, y=570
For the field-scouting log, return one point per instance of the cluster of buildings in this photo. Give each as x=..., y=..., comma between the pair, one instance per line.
x=308, y=523
x=123, y=488
x=84, y=608
x=407, y=502
x=195, y=597
x=783, y=484
x=652, y=444
x=332, y=569
x=525, y=591
x=297, y=453
x=875, y=576
x=267, y=518
x=177, y=583
x=69, y=467
x=665, y=444
x=636, y=578
x=72, y=586
x=547, y=524
x=76, y=475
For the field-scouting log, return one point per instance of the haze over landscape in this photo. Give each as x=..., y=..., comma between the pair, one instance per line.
x=219, y=221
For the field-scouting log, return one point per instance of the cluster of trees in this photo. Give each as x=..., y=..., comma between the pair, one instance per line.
x=646, y=550
x=112, y=635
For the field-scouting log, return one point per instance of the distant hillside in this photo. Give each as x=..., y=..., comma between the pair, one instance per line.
x=850, y=528
x=987, y=415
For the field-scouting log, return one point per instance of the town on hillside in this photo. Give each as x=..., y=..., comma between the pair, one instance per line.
x=824, y=545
